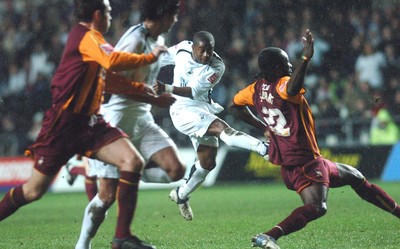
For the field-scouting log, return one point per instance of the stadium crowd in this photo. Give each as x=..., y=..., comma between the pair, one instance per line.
x=353, y=75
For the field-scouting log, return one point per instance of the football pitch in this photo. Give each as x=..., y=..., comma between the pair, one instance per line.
x=225, y=217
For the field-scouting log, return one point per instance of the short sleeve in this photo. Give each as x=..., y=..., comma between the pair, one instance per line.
x=245, y=96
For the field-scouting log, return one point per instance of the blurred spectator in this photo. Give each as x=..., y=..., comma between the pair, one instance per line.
x=39, y=63
x=17, y=80
x=370, y=65
x=9, y=145
x=384, y=130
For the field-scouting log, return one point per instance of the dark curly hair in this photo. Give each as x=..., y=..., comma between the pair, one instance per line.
x=156, y=9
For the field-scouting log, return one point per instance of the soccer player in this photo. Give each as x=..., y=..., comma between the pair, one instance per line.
x=135, y=118
x=278, y=97
x=198, y=69
x=72, y=124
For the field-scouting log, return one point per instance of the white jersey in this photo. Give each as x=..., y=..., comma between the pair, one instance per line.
x=199, y=77
x=134, y=117
x=193, y=116
x=136, y=40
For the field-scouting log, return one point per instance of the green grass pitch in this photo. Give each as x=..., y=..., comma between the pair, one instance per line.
x=226, y=216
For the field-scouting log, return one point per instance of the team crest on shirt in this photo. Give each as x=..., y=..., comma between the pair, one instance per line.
x=213, y=78
x=107, y=48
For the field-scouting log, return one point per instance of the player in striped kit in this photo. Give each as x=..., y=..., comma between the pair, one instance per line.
x=73, y=125
x=134, y=117
x=278, y=96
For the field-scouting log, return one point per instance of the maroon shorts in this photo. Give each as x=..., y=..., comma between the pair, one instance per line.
x=65, y=134
x=319, y=170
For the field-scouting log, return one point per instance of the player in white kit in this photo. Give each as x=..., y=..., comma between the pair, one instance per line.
x=197, y=70
x=135, y=119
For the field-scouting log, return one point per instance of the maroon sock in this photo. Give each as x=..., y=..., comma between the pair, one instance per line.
x=126, y=198
x=295, y=221
x=91, y=187
x=377, y=196
x=13, y=200
x=78, y=171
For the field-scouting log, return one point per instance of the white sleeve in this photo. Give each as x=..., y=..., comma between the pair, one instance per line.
x=206, y=80
x=131, y=42
x=169, y=57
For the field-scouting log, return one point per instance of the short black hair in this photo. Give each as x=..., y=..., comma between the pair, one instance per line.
x=156, y=9
x=84, y=9
x=203, y=36
x=270, y=58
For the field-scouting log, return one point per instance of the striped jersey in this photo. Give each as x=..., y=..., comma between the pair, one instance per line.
x=80, y=80
x=289, y=119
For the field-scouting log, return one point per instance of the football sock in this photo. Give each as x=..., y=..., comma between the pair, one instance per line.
x=95, y=212
x=196, y=178
x=295, y=221
x=78, y=170
x=377, y=196
x=91, y=187
x=10, y=203
x=240, y=139
x=127, y=193
x=157, y=175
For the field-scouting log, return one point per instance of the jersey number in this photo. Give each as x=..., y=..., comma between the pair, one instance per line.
x=276, y=121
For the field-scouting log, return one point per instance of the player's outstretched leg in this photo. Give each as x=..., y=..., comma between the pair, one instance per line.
x=264, y=241
x=378, y=197
x=242, y=140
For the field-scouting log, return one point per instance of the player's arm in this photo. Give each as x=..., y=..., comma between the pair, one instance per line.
x=161, y=87
x=240, y=108
x=118, y=84
x=94, y=48
x=296, y=82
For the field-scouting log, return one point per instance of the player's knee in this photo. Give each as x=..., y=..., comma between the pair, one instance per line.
x=209, y=164
x=320, y=209
x=31, y=195
x=108, y=198
x=131, y=163
x=177, y=173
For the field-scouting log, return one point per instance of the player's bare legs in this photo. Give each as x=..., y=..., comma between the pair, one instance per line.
x=169, y=166
x=30, y=191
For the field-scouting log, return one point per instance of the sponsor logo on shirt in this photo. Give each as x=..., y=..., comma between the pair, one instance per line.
x=107, y=48
x=213, y=78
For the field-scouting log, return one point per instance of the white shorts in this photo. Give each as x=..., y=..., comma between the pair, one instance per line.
x=145, y=135
x=194, y=122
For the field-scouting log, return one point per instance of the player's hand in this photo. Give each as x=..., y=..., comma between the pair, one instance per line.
x=159, y=87
x=164, y=100
x=148, y=90
x=157, y=51
x=308, y=45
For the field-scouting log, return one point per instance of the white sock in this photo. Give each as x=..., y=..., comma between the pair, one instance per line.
x=197, y=177
x=94, y=215
x=242, y=140
x=156, y=174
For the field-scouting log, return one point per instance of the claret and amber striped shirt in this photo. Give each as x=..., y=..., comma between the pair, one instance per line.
x=289, y=119
x=78, y=84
